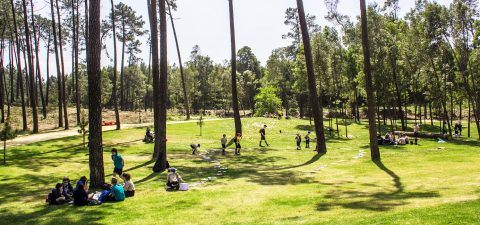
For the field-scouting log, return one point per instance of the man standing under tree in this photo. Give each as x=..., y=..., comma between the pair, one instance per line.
x=262, y=136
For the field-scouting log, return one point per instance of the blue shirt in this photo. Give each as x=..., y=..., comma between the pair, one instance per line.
x=118, y=192
x=117, y=161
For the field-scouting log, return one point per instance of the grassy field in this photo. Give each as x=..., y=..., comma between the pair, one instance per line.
x=432, y=183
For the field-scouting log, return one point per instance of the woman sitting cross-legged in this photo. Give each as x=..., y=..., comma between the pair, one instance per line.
x=128, y=185
x=55, y=197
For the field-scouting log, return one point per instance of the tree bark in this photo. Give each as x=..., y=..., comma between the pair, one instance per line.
x=39, y=74
x=182, y=75
x=97, y=173
x=64, y=97
x=115, y=75
x=47, y=91
x=122, y=67
x=315, y=103
x=159, y=83
x=11, y=59
x=19, y=68
x=75, y=40
x=371, y=101
x=59, y=71
x=236, y=112
x=33, y=98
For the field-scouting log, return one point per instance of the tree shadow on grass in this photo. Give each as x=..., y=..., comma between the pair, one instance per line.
x=374, y=201
x=55, y=214
x=315, y=158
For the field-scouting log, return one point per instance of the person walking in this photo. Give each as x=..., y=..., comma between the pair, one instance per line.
x=262, y=136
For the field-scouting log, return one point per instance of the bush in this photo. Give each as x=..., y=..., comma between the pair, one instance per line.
x=267, y=101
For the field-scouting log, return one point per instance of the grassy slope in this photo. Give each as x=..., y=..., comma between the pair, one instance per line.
x=275, y=185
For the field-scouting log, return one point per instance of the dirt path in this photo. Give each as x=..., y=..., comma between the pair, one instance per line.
x=61, y=133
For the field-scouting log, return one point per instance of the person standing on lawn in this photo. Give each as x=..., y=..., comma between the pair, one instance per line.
x=118, y=163
x=416, y=130
x=307, y=139
x=224, y=143
x=262, y=136
x=298, y=139
x=238, y=147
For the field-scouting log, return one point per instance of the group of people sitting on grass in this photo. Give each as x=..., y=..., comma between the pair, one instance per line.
x=79, y=196
x=390, y=139
x=65, y=193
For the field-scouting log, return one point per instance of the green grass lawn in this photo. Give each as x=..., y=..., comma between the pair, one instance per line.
x=432, y=183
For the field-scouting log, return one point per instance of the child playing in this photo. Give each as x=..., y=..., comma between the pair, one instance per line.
x=238, y=147
x=128, y=185
x=194, y=148
x=117, y=162
x=224, y=143
x=298, y=139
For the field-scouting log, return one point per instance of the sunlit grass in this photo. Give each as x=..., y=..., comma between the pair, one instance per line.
x=432, y=183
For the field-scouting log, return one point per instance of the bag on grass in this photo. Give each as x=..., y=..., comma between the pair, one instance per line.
x=183, y=187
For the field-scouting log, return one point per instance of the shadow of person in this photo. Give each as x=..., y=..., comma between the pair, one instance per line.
x=396, y=179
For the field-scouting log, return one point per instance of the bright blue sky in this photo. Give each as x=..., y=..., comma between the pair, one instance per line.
x=259, y=24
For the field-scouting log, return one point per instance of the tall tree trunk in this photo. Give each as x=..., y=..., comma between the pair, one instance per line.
x=236, y=112
x=77, y=74
x=469, y=117
x=315, y=103
x=11, y=60
x=26, y=69
x=64, y=97
x=115, y=75
x=2, y=77
x=122, y=67
x=97, y=173
x=159, y=81
x=47, y=91
x=39, y=74
x=375, y=152
x=19, y=68
x=57, y=63
x=33, y=101
x=182, y=75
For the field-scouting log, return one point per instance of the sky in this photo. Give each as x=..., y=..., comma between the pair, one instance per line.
x=258, y=23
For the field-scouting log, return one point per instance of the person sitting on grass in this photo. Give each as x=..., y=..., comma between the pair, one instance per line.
x=380, y=139
x=238, y=147
x=55, y=197
x=298, y=139
x=117, y=194
x=82, y=181
x=224, y=143
x=194, y=148
x=389, y=139
x=128, y=185
x=149, y=137
x=67, y=188
x=118, y=163
x=80, y=196
x=402, y=140
x=173, y=179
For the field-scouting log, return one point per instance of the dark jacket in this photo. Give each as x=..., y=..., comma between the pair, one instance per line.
x=80, y=197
